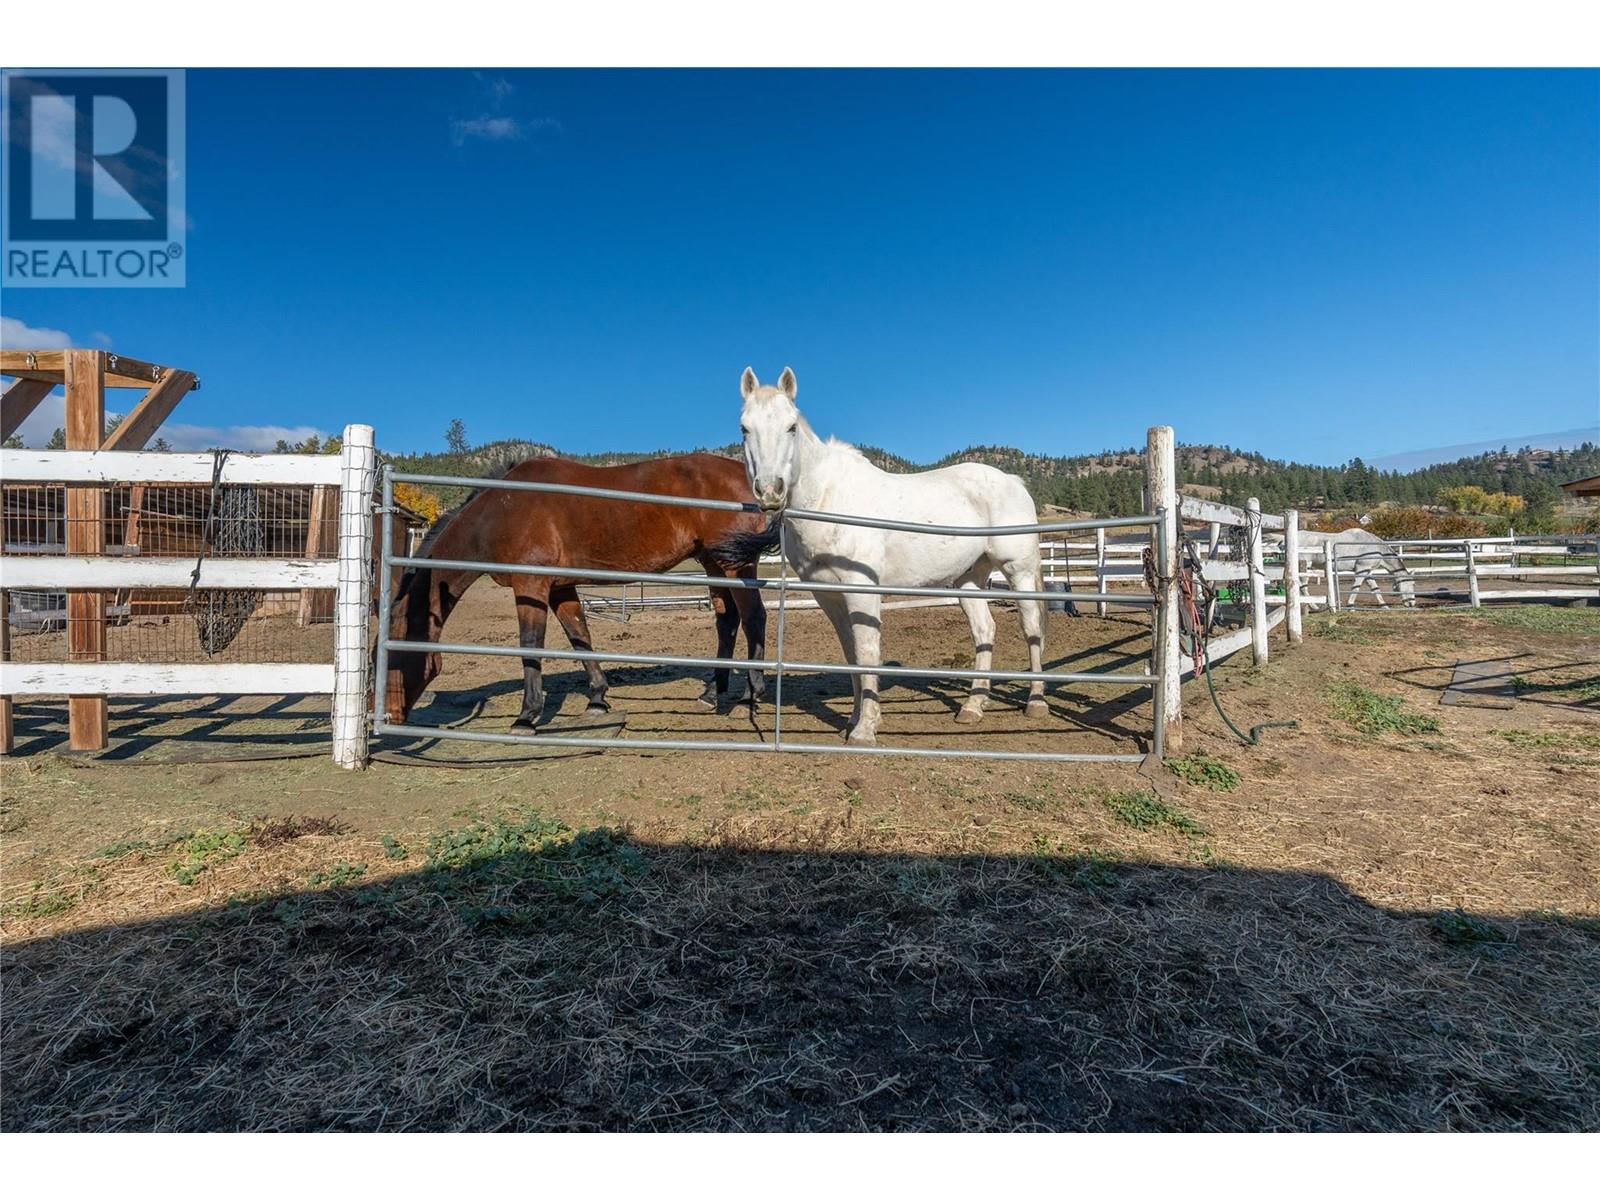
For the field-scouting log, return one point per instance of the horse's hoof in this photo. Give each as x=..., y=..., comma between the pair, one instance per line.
x=523, y=728
x=862, y=737
x=1037, y=709
x=597, y=710
x=969, y=716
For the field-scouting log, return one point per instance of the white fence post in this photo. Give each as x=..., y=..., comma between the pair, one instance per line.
x=1258, y=583
x=1162, y=489
x=351, y=643
x=1099, y=569
x=1330, y=571
x=1472, y=572
x=1291, y=573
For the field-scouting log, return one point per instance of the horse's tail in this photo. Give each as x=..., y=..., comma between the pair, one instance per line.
x=744, y=547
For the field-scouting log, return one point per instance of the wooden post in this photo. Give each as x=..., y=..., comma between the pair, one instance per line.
x=1330, y=571
x=1258, y=582
x=1213, y=539
x=1291, y=574
x=1162, y=488
x=321, y=501
x=1472, y=573
x=6, y=742
x=1099, y=569
x=86, y=534
x=352, y=657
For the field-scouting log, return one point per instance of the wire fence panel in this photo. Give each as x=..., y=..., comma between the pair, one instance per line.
x=180, y=523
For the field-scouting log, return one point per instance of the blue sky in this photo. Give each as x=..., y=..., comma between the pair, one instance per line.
x=1314, y=264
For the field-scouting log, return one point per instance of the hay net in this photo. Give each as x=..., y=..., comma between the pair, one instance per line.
x=234, y=528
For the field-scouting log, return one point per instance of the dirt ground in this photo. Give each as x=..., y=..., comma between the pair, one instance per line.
x=1387, y=917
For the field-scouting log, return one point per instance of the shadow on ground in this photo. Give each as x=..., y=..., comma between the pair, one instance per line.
x=527, y=977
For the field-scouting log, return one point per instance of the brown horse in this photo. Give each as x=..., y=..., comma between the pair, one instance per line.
x=551, y=529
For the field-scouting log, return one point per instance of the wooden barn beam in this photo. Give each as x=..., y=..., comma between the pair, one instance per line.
x=50, y=366
x=86, y=534
x=34, y=364
x=125, y=372
x=140, y=424
x=19, y=401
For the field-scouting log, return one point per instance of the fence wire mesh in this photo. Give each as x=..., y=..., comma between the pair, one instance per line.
x=177, y=521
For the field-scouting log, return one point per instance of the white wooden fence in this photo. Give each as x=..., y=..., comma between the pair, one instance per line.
x=1572, y=560
x=353, y=471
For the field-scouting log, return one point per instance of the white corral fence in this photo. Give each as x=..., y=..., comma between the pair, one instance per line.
x=1135, y=564
x=1459, y=568
x=86, y=475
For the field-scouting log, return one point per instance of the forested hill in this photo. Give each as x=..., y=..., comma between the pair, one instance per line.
x=1111, y=482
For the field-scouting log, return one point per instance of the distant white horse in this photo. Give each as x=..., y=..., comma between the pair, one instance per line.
x=1364, y=552
x=791, y=467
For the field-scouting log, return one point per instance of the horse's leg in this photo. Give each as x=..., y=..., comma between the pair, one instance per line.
x=1027, y=578
x=1356, y=585
x=838, y=613
x=1377, y=589
x=569, y=611
x=1407, y=582
x=727, y=633
x=533, y=610
x=753, y=618
x=982, y=622
x=866, y=625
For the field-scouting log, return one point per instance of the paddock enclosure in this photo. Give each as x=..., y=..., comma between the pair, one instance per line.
x=1385, y=914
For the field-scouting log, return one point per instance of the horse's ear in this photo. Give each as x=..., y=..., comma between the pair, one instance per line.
x=748, y=383
x=787, y=383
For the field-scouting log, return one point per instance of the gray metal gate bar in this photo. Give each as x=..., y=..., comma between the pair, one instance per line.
x=646, y=744
x=1130, y=679
x=793, y=514
x=603, y=575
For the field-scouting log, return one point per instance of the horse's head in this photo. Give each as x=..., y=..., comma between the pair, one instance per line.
x=415, y=615
x=770, y=423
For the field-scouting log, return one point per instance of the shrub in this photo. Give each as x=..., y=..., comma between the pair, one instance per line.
x=1414, y=521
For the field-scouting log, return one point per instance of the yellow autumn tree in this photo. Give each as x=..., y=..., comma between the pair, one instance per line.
x=422, y=502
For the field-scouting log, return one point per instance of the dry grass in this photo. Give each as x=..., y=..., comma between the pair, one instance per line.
x=530, y=977
x=1362, y=933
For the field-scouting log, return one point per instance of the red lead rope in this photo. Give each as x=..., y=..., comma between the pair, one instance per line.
x=1196, y=633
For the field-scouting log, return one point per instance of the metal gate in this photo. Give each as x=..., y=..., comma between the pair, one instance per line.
x=777, y=664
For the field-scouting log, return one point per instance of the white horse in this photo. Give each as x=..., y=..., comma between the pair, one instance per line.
x=1364, y=552
x=791, y=467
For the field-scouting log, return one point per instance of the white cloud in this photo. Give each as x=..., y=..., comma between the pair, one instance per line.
x=491, y=128
x=17, y=335
x=50, y=416
x=235, y=437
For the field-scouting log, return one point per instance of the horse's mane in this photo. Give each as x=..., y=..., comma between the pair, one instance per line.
x=443, y=519
x=833, y=443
